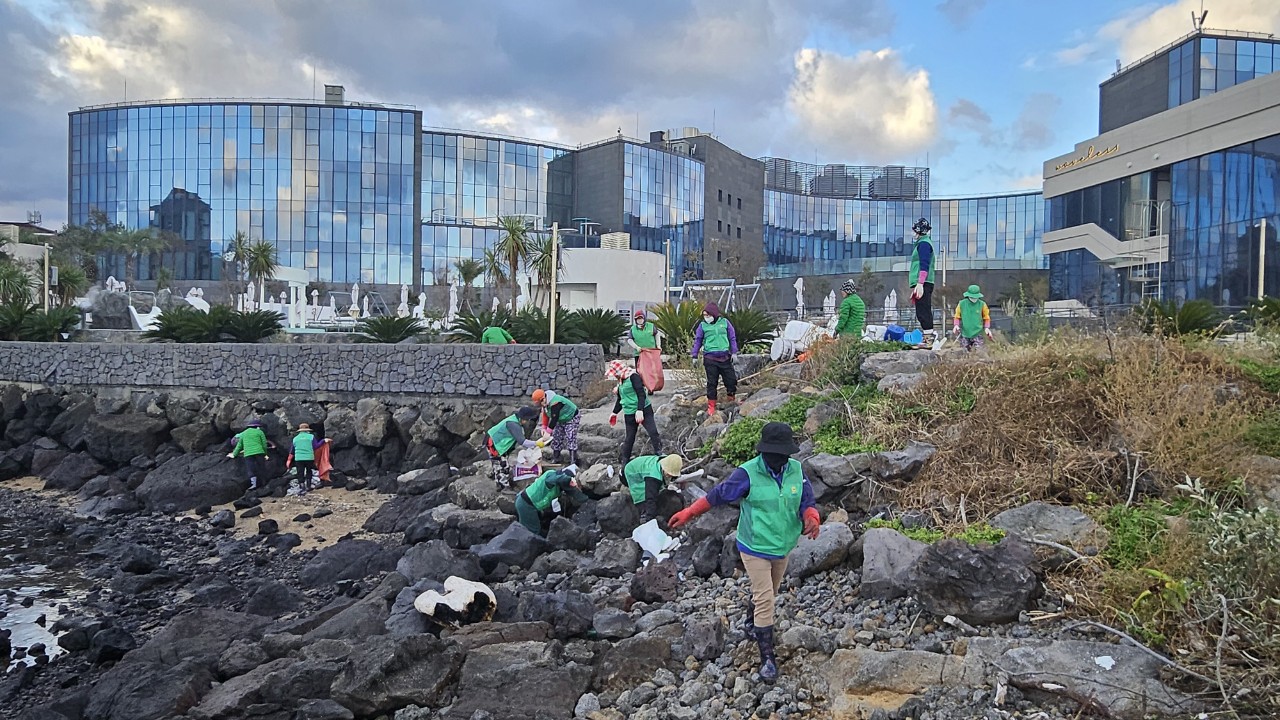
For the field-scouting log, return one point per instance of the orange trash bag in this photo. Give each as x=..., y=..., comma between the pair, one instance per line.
x=651, y=369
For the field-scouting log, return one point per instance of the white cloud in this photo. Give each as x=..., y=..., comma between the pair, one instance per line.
x=868, y=107
x=1140, y=34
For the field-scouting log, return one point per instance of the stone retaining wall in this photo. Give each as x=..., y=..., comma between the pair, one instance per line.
x=438, y=369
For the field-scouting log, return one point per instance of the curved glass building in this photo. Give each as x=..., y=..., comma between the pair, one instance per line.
x=333, y=185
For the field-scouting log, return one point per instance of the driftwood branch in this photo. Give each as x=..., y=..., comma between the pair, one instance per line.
x=1125, y=636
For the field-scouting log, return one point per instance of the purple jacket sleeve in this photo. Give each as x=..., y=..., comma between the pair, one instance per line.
x=697, y=340
x=731, y=489
x=736, y=486
x=733, y=337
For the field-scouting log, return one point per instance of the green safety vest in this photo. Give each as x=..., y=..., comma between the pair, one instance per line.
x=495, y=336
x=501, y=436
x=645, y=338
x=541, y=492
x=715, y=336
x=568, y=409
x=915, y=261
x=303, y=446
x=645, y=466
x=769, y=517
x=630, y=401
x=971, y=317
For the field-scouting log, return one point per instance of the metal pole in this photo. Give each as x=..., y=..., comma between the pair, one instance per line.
x=555, y=267
x=46, y=278
x=1262, y=260
x=666, y=270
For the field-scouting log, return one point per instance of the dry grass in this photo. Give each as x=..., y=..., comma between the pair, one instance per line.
x=1076, y=419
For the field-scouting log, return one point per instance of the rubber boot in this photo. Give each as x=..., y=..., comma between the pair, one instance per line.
x=557, y=457
x=573, y=458
x=926, y=340
x=711, y=407
x=731, y=399
x=749, y=622
x=768, y=661
x=253, y=483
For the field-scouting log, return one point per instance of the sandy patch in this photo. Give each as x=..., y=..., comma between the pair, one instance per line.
x=350, y=510
x=35, y=486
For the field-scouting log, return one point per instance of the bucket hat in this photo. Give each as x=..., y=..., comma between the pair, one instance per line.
x=777, y=437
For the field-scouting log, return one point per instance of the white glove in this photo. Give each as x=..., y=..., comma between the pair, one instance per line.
x=989, y=335
x=231, y=455
x=918, y=291
x=639, y=416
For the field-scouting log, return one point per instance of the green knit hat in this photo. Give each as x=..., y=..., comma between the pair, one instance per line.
x=974, y=292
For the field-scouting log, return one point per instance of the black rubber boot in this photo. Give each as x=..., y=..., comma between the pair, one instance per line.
x=557, y=457
x=749, y=622
x=768, y=661
x=573, y=459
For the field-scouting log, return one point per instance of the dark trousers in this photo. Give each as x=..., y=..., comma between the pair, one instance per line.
x=650, y=426
x=528, y=515
x=253, y=467
x=924, y=308
x=649, y=508
x=306, y=472
x=717, y=371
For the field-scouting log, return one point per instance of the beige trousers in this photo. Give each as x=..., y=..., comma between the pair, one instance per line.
x=766, y=576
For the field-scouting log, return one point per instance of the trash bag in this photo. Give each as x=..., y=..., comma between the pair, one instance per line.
x=651, y=369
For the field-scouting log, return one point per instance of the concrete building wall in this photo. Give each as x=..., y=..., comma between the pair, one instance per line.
x=319, y=371
x=597, y=186
x=610, y=279
x=1228, y=118
x=1135, y=94
x=734, y=235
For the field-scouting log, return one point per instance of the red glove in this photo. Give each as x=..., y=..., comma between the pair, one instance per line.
x=613, y=421
x=812, y=523
x=681, y=518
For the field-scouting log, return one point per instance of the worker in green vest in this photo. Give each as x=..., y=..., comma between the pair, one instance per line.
x=636, y=408
x=920, y=278
x=495, y=335
x=972, y=319
x=561, y=418
x=541, y=498
x=853, y=313
x=646, y=476
x=776, y=506
x=252, y=444
x=716, y=340
x=643, y=335
x=509, y=433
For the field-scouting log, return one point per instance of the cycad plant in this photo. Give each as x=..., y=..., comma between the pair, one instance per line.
x=13, y=315
x=16, y=286
x=1193, y=317
x=388, y=329
x=601, y=327
x=751, y=327
x=469, y=327
x=48, y=326
x=532, y=326
x=252, y=326
x=677, y=323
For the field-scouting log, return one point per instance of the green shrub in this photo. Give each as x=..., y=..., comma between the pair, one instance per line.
x=1266, y=375
x=793, y=412
x=469, y=327
x=532, y=326
x=252, y=326
x=975, y=534
x=1194, y=317
x=389, y=329
x=839, y=362
x=1137, y=534
x=752, y=328
x=677, y=322
x=835, y=438
x=12, y=317
x=1263, y=434
x=738, y=444
x=42, y=326
x=601, y=327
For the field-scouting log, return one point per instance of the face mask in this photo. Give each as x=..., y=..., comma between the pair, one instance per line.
x=775, y=461
x=639, y=322
x=708, y=319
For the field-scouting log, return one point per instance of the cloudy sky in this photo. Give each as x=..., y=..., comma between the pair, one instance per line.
x=982, y=90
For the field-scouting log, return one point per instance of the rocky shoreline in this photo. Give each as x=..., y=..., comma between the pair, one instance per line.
x=219, y=614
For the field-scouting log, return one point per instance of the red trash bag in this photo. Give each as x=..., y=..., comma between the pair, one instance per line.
x=651, y=369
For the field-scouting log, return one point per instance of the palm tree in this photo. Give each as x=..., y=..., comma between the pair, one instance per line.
x=238, y=250
x=261, y=263
x=540, y=262
x=469, y=270
x=134, y=244
x=495, y=270
x=513, y=248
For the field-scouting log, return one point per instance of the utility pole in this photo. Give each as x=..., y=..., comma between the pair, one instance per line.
x=555, y=271
x=1262, y=259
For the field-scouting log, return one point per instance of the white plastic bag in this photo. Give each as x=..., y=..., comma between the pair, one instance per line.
x=653, y=541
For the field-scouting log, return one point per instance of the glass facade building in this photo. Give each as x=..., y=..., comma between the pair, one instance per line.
x=334, y=187
x=805, y=234
x=468, y=181
x=1211, y=207
x=663, y=198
